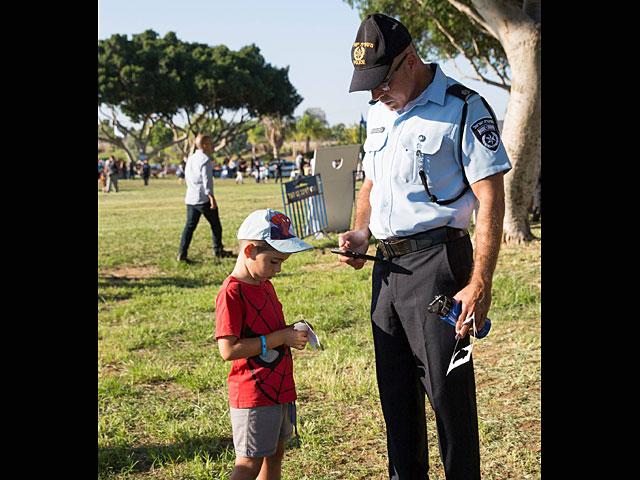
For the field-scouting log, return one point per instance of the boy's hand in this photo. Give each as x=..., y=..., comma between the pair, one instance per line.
x=295, y=338
x=302, y=322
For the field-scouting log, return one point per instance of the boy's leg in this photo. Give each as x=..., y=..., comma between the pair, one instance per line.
x=272, y=466
x=259, y=436
x=246, y=468
x=267, y=468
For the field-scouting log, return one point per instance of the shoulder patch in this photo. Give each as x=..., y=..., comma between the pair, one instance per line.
x=486, y=131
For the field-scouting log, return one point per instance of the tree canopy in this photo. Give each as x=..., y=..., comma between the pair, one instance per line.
x=153, y=79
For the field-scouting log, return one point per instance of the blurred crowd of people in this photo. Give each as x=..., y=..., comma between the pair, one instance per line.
x=112, y=169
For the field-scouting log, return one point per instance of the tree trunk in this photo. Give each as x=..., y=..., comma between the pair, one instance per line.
x=520, y=36
x=522, y=133
x=274, y=131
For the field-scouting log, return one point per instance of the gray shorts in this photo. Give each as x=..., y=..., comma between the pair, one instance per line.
x=256, y=430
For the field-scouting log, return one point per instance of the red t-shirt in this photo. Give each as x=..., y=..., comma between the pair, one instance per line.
x=245, y=311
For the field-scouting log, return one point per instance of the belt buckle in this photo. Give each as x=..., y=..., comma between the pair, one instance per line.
x=400, y=247
x=386, y=251
x=395, y=248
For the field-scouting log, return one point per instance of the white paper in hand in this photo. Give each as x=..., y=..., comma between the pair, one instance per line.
x=463, y=355
x=313, y=338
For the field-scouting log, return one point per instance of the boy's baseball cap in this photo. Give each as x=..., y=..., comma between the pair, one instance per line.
x=274, y=228
x=379, y=40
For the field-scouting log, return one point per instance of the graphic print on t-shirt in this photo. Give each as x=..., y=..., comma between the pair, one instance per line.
x=270, y=377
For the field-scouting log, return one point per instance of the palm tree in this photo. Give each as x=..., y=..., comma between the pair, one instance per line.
x=275, y=128
x=255, y=136
x=310, y=127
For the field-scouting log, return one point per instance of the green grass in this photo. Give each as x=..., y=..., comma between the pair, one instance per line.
x=162, y=401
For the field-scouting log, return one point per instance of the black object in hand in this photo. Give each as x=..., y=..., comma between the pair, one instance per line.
x=351, y=253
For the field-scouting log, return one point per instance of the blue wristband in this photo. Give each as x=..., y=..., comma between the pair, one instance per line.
x=264, y=345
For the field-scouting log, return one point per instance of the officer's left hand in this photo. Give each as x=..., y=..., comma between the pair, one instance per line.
x=476, y=299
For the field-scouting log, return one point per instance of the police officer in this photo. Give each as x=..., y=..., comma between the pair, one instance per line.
x=432, y=153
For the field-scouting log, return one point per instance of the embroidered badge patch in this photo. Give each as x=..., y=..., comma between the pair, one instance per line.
x=486, y=131
x=358, y=52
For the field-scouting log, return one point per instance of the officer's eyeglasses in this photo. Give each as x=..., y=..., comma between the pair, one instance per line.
x=384, y=86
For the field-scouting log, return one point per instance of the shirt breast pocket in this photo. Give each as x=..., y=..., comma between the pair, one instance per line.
x=372, y=147
x=417, y=155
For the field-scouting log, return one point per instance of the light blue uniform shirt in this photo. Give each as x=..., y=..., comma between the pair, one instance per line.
x=198, y=174
x=430, y=124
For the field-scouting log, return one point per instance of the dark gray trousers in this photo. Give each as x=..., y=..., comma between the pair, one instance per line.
x=193, y=217
x=413, y=348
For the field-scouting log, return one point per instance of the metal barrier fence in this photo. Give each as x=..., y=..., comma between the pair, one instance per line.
x=303, y=202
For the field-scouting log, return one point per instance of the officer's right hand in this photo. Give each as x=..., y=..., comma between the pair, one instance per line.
x=357, y=241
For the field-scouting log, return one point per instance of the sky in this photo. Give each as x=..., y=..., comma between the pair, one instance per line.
x=312, y=37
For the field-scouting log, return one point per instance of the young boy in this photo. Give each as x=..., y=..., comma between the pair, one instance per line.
x=251, y=332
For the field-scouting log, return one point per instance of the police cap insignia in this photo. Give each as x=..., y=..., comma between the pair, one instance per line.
x=358, y=55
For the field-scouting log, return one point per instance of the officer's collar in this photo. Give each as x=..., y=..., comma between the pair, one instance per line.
x=435, y=91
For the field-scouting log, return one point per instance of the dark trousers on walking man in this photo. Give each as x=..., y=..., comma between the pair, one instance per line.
x=193, y=217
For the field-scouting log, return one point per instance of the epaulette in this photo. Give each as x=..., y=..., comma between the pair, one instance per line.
x=460, y=91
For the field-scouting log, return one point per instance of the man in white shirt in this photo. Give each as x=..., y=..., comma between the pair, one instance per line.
x=200, y=200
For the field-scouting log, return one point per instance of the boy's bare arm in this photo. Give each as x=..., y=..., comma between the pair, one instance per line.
x=233, y=348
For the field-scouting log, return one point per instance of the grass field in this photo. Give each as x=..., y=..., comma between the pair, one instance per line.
x=162, y=400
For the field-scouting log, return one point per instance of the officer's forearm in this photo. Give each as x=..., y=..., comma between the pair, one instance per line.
x=363, y=208
x=488, y=228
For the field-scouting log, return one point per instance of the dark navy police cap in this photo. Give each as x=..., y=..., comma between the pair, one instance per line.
x=379, y=40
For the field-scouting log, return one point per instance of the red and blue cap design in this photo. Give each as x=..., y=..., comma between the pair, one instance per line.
x=274, y=228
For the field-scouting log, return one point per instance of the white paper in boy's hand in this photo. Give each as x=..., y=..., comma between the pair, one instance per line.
x=313, y=339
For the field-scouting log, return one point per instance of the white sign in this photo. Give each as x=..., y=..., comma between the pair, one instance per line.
x=336, y=167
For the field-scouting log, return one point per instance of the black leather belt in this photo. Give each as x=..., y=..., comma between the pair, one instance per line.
x=420, y=241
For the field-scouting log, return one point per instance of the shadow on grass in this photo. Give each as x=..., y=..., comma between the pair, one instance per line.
x=124, y=287
x=142, y=459
x=107, y=280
